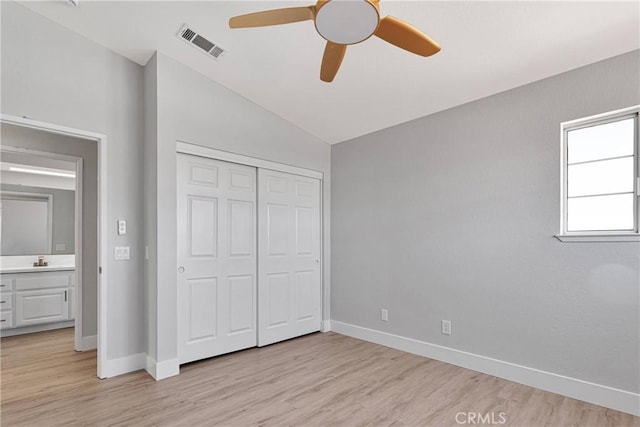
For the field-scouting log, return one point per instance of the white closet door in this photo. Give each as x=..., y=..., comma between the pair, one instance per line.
x=216, y=257
x=289, y=292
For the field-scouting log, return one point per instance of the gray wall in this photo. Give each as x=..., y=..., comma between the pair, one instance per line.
x=452, y=216
x=150, y=202
x=192, y=108
x=63, y=208
x=57, y=76
x=21, y=137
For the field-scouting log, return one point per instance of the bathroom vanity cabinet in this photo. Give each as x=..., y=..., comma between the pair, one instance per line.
x=32, y=299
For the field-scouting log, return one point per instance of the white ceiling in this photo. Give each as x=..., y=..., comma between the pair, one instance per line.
x=487, y=47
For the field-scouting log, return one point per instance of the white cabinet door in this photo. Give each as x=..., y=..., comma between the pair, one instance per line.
x=216, y=257
x=289, y=286
x=41, y=306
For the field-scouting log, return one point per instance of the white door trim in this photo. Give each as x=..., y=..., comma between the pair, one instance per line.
x=101, y=140
x=211, y=153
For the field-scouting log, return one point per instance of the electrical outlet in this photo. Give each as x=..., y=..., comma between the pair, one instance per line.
x=122, y=253
x=446, y=327
x=384, y=315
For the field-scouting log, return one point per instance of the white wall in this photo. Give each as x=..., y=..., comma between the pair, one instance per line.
x=191, y=108
x=54, y=75
x=452, y=216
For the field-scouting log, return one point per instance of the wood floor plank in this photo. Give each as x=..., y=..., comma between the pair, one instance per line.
x=315, y=380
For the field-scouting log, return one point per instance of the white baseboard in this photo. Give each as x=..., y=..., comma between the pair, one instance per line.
x=37, y=328
x=162, y=370
x=325, y=326
x=609, y=397
x=87, y=343
x=123, y=365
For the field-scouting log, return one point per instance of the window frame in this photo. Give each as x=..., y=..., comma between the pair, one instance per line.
x=603, y=235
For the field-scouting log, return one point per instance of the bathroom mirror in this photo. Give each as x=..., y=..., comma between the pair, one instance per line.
x=36, y=220
x=37, y=196
x=26, y=223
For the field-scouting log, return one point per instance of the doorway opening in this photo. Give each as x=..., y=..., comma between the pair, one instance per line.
x=41, y=217
x=55, y=283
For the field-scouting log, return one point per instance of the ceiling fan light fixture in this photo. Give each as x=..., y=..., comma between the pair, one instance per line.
x=347, y=21
x=342, y=23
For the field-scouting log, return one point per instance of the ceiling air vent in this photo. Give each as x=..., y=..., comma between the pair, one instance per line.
x=196, y=40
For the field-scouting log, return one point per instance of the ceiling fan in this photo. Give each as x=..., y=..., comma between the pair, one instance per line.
x=342, y=23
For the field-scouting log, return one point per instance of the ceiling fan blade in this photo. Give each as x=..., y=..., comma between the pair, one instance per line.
x=273, y=17
x=406, y=37
x=333, y=54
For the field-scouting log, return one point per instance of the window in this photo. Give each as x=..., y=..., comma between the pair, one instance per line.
x=600, y=177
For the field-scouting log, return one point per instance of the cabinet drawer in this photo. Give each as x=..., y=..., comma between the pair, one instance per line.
x=41, y=281
x=6, y=300
x=6, y=320
x=6, y=284
x=41, y=306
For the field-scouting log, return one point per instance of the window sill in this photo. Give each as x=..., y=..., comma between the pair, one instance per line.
x=585, y=238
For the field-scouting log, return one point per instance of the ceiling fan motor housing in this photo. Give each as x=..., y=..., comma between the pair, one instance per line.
x=347, y=21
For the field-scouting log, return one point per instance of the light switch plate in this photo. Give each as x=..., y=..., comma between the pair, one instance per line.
x=122, y=227
x=122, y=253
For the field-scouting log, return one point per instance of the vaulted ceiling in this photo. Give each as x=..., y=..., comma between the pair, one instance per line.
x=487, y=47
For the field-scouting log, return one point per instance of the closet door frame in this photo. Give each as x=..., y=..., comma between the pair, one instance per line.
x=226, y=156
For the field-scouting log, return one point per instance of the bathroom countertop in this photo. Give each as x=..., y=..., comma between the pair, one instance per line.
x=27, y=269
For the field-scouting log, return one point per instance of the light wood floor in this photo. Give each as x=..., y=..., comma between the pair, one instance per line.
x=316, y=380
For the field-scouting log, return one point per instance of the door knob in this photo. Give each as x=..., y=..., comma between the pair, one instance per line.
x=180, y=269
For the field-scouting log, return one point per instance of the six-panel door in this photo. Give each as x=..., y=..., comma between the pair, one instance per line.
x=289, y=291
x=216, y=257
